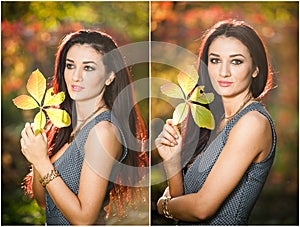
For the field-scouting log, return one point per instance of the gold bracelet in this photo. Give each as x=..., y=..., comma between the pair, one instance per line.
x=49, y=177
x=165, y=210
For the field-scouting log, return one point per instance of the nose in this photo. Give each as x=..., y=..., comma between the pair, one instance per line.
x=224, y=69
x=77, y=75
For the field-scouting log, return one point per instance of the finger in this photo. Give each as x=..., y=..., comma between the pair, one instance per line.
x=22, y=145
x=162, y=141
x=32, y=128
x=44, y=136
x=24, y=133
x=170, y=129
x=158, y=140
x=167, y=136
x=41, y=137
x=169, y=121
x=175, y=127
x=178, y=134
x=29, y=131
x=22, y=142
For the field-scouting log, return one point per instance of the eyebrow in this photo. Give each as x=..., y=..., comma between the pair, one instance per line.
x=232, y=56
x=84, y=62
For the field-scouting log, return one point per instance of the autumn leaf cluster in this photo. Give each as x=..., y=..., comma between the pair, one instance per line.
x=46, y=101
x=193, y=96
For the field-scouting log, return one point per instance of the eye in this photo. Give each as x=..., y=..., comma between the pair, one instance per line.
x=237, y=61
x=69, y=66
x=214, y=60
x=88, y=68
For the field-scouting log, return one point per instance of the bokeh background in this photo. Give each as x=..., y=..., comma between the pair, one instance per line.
x=183, y=23
x=31, y=31
x=30, y=34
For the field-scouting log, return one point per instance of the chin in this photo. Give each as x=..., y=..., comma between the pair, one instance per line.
x=75, y=97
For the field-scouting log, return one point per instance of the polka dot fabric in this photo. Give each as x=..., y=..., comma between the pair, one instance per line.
x=69, y=166
x=236, y=209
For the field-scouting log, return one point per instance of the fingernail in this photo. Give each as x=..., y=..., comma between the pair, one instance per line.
x=172, y=144
x=176, y=136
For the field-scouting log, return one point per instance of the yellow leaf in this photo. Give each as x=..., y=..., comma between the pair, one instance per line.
x=180, y=113
x=39, y=122
x=202, y=116
x=25, y=102
x=53, y=99
x=36, y=85
x=188, y=79
x=172, y=90
x=201, y=97
x=60, y=118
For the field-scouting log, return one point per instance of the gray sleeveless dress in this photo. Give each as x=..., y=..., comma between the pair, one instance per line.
x=69, y=166
x=236, y=209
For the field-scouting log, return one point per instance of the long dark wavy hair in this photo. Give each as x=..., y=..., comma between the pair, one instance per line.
x=260, y=85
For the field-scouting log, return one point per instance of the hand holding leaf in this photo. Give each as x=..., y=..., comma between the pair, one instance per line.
x=45, y=101
x=191, y=94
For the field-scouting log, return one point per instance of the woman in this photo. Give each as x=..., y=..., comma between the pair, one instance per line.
x=227, y=168
x=74, y=182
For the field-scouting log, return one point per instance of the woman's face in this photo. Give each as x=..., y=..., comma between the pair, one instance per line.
x=84, y=73
x=230, y=67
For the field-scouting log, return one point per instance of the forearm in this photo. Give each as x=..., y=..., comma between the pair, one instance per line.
x=186, y=208
x=176, y=185
x=175, y=177
x=38, y=189
x=65, y=200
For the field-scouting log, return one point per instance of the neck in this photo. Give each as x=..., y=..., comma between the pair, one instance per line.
x=85, y=109
x=233, y=105
x=82, y=122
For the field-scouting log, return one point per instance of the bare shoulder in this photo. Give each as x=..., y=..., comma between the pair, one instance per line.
x=106, y=135
x=254, y=120
x=255, y=131
x=106, y=129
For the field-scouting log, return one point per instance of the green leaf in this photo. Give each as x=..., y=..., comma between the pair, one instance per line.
x=201, y=97
x=39, y=122
x=172, y=90
x=53, y=99
x=25, y=102
x=188, y=79
x=180, y=113
x=60, y=118
x=36, y=86
x=202, y=116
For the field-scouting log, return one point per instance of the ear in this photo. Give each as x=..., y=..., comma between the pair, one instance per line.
x=255, y=73
x=110, y=79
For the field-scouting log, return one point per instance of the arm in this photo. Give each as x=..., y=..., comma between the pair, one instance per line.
x=83, y=208
x=38, y=189
x=243, y=147
x=169, y=144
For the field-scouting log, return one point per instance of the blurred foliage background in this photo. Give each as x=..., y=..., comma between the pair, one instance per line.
x=183, y=23
x=30, y=34
x=31, y=31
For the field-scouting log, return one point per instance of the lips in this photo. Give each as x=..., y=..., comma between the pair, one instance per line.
x=76, y=88
x=224, y=83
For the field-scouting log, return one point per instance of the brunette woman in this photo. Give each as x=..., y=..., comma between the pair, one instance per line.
x=76, y=168
x=223, y=170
